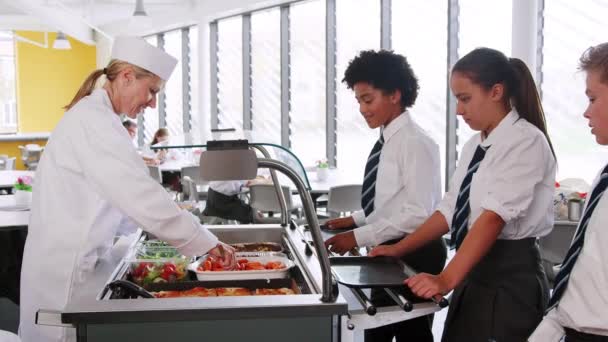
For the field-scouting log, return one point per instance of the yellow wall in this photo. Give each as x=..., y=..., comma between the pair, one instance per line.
x=12, y=149
x=47, y=80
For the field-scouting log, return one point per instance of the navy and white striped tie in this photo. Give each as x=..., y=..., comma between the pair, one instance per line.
x=368, y=190
x=561, y=280
x=460, y=220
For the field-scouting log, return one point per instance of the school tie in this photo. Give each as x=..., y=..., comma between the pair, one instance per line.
x=462, y=211
x=368, y=190
x=561, y=280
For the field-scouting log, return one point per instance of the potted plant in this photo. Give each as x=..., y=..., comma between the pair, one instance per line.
x=322, y=169
x=23, y=191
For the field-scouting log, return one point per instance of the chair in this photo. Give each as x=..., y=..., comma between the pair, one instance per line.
x=553, y=247
x=30, y=155
x=192, y=181
x=156, y=173
x=343, y=199
x=263, y=197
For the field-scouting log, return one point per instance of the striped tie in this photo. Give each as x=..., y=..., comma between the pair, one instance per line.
x=368, y=190
x=561, y=280
x=460, y=220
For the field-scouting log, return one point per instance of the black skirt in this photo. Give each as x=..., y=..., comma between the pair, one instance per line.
x=502, y=299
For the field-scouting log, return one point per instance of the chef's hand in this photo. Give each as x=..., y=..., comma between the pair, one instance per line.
x=224, y=254
x=341, y=243
x=340, y=223
x=386, y=250
x=427, y=285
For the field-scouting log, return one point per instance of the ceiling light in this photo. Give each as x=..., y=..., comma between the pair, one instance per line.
x=61, y=42
x=139, y=9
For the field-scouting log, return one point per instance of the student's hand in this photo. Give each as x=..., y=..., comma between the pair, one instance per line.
x=341, y=243
x=225, y=254
x=427, y=285
x=386, y=250
x=340, y=223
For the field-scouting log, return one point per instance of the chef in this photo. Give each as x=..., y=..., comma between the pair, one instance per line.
x=90, y=179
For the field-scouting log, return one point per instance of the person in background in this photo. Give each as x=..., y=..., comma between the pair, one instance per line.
x=499, y=202
x=577, y=308
x=155, y=157
x=402, y=181
x=131, y=127
x=89, y=179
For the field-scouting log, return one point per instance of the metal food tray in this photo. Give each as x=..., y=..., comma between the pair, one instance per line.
x=244, y=275
x=259, y=247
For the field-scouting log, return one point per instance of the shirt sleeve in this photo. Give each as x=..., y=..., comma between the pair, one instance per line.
x=117, y=173
x=549, y=329
x=420, y=172
x=359, y=218
x=518, y=171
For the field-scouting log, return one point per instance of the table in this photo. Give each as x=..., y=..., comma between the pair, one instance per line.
x=335, y=177
x=10, y=220
x=175, y=165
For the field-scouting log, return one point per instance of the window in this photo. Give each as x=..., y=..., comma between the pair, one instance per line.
x=307, y=58
x=174, y=112
x=482, y=24
x=8, y=99
x=150, y=117
x=266, y=74
x=426, y=52
x=230, y=73
x=568, y=31
x=196, y=113
x=357, y=29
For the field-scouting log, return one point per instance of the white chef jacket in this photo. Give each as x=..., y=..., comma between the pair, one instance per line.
x=89, y=178
x=408, y=184
x=583, y=304
x=515, y=180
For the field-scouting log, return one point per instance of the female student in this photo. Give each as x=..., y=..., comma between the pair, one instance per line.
x=577, y=309
x=401, y=183
x=500, y=201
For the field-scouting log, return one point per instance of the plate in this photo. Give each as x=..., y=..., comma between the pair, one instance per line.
x=241, y=275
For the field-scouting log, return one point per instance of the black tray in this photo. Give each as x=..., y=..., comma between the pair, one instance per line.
x=367, y=272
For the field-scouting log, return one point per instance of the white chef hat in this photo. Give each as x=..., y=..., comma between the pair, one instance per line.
x=138, y=52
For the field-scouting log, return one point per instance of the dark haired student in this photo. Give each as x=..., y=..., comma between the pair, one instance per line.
x=401, y=182
x=499, y=202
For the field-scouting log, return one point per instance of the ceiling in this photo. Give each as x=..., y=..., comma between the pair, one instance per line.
x=81, y=18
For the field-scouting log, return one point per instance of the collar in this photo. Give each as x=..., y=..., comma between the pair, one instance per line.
x=105, y=99
x=400, y=121
x=500, y=132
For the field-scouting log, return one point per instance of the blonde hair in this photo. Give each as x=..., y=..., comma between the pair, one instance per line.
x=111, y=71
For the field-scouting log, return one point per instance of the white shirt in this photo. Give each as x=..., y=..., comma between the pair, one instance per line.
x=408, y=184
x=515, y=180
x=89, y=178
x=228, y=188
x=583, y=306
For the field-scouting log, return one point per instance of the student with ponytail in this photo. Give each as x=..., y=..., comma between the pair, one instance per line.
x=499, y=202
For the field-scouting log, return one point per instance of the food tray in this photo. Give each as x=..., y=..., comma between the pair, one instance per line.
x=247, y=274
x=368, y=272
x=148, y=271
x=257, y=247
